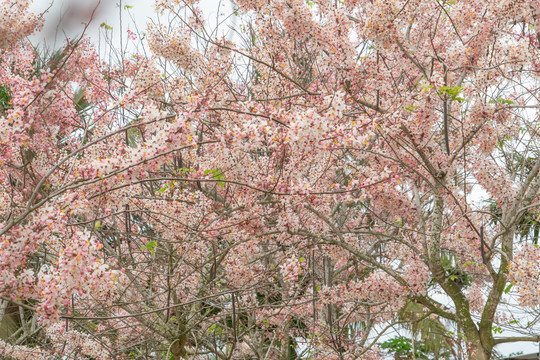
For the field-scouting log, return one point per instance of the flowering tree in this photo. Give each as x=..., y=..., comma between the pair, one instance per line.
x=338, y=169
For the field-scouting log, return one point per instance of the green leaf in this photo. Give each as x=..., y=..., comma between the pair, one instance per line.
x=216, y=174
x=105, y=26
x=410, y=108
x=453, y=92
x=126, y=7
x=163, y=189
x=168, y=185
x=508, y=288
x=426, y=88
x=500, y=100
x=302, y=259
x=97, y=224
x=150, y=246
x=184, y=171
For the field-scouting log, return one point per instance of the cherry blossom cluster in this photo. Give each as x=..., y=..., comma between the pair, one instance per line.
x=21, y=352
x=525, y=275
x=16, y=22
x=76, y=342
x=78, y=272
x=174, y=45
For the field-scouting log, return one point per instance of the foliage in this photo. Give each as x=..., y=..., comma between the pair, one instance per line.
x=5, y=99
x=401, y=347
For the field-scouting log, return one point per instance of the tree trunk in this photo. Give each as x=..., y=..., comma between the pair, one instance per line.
x=3, y=305
x=413, y=342
x=178, y=348
x=285, y=343
x=478, y=352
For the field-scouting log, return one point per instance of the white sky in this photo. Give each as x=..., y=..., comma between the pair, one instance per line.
x=66, y=18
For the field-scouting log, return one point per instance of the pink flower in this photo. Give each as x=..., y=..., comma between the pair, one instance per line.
x=131, y=35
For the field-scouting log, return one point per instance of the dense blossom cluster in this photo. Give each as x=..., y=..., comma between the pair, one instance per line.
x=174, y=45
x=525, y=275
x=78, y=343
x=78, y=271
x=21, y=352
x=16, y=22
x=289, y=191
